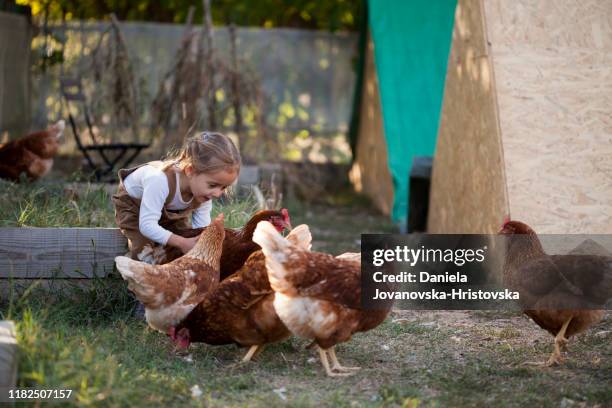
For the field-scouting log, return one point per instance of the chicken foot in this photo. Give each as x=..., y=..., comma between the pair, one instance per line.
x=325, y=362
x=336, y=366
x=560, y=342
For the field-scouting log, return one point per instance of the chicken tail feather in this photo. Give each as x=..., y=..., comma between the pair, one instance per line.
x=278, y=252
x=125, y=266
x=134, y=272
x=301, y=237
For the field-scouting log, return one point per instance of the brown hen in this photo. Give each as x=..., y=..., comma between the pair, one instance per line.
x=238, y=244
x=169, y=292
x=317, y=296
x=241, y=309
x=561, y=293
x=32, y=154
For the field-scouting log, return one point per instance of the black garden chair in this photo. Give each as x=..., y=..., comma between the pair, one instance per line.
x=113, y=155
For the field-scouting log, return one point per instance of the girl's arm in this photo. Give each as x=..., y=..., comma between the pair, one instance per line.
x=184, y=244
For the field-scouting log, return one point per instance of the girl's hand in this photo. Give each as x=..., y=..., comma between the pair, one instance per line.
x=184, y=244
x=188, y=244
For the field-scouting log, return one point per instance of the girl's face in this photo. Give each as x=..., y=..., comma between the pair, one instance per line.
x=205, y=186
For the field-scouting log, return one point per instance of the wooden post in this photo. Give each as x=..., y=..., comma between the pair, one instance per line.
x=8, y=354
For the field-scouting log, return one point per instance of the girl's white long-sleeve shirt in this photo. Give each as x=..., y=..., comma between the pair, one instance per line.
x=150, y=185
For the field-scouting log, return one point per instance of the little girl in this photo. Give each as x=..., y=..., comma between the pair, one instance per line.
x=155, y=198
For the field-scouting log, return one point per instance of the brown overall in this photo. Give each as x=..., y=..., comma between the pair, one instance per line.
x=127, y=210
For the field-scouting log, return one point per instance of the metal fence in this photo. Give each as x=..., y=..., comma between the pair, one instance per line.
x=15, y=38
x=307, y=77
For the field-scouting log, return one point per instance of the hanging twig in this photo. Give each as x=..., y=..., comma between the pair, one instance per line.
x=113, y=71
x=186, y=96
x=82, y=50
x=163, y=102
x=46, y=34
x=189, y=19
x=182, y=88
x=210, y=69
x=234, y=78
x=64, y=29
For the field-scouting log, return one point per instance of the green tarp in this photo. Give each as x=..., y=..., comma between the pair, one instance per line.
x=411, y=41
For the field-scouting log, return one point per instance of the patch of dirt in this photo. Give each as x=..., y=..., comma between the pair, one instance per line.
x=508, y=327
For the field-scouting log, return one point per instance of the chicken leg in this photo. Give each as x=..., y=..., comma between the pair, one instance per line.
x=336, y=366
x=254, y=350
x=560, y=341
x=325, y=362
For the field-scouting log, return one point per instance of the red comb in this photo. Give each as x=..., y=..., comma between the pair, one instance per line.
x=506, y=220
x=285, y=214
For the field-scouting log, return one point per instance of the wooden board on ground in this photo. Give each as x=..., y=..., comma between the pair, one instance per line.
x=8, y=354
x=32, y=253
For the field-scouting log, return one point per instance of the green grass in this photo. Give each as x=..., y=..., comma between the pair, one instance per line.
x=61, y=204
x=236, y=208
x=338, y=222
x=55, y=204
x=85, y=339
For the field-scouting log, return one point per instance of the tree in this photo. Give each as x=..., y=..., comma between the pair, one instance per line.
x=330, y=15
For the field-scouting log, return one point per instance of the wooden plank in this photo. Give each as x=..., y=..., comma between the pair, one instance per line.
x=8, y=354
x=526, y=121
x=32, y=253
x=370, y=172
x=468, y=192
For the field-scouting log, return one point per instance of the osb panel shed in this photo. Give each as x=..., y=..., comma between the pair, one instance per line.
x=526, y=128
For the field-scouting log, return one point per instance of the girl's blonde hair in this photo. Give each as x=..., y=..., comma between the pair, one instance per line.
x=209, y=152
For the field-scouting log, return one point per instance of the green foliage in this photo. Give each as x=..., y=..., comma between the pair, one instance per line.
x=309, y=14
x=236, y=209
